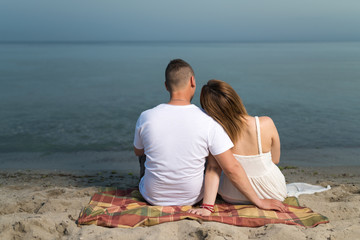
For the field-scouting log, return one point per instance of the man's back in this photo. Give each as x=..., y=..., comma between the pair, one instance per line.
x=176, y=140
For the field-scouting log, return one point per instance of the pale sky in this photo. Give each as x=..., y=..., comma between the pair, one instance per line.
x=186, y=20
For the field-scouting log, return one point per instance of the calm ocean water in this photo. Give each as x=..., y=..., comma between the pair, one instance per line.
x=71, y=97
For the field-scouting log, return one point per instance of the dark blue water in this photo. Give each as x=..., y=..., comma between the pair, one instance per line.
x=69, y=97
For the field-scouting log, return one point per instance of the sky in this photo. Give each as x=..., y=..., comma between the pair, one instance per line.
x=186, y=20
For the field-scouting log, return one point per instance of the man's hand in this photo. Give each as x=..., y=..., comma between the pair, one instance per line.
x=272, y=204
x=200, y=211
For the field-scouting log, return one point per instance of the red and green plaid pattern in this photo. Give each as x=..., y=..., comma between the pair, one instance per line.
x=113, y=207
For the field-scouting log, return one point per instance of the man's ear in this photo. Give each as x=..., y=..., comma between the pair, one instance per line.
x=192, y=81
x=166, y=86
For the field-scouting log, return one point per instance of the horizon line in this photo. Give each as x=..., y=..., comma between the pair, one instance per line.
x=165, y=41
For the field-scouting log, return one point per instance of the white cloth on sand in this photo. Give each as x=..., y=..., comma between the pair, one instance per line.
x=296, y=189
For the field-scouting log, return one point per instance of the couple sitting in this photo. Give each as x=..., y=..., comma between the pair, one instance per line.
x=178, y=137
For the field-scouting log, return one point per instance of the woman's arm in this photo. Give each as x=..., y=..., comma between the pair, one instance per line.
x=212, y=178
x=275, y=143
x=237, y=175
x=239, y=179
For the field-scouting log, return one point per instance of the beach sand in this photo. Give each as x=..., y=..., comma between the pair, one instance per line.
x=40, y=204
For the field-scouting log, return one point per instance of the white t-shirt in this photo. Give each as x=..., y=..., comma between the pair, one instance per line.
x=176, y=140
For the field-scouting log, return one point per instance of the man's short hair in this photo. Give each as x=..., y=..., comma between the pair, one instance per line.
x=177, y=73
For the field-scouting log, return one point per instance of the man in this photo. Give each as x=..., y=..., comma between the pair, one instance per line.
x=176, y=138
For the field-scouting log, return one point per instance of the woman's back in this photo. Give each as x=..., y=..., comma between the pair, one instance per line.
x=257, y=143
x=254, y=152
x=248, y=145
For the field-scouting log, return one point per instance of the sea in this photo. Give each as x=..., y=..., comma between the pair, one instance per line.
x=74, y=105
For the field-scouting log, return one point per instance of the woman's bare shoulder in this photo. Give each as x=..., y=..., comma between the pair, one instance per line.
x=266, y=120
x=267, y=123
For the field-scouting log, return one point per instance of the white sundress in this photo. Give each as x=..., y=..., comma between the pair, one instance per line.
x=264, y=176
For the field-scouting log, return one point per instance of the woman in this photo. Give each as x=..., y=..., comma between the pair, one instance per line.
x=256, y=147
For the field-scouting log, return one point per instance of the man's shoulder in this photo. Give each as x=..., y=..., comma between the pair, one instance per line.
x=193, y=111
x=200, y=114
x=151, y=110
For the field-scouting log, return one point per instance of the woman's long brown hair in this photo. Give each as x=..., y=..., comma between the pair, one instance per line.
x=222, y=103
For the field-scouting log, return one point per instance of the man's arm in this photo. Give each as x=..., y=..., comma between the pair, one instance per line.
x=138, y=152
x=212, y=179
x=235, y=172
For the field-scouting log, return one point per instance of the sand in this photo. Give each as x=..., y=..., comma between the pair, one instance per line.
x=40, y=204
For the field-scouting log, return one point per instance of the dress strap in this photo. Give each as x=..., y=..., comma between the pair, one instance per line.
x=258, y=133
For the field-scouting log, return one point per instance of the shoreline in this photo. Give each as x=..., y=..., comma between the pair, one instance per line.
x=44, y=204
x=127, y=162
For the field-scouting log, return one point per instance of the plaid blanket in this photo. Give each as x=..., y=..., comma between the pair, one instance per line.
x=112, y=207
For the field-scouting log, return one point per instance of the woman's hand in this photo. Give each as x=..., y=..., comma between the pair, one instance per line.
x=272, y=204
x=200, y=211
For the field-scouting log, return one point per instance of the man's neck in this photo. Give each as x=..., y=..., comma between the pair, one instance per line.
x=179, y=98
x=182, y=97
x=179, y=101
